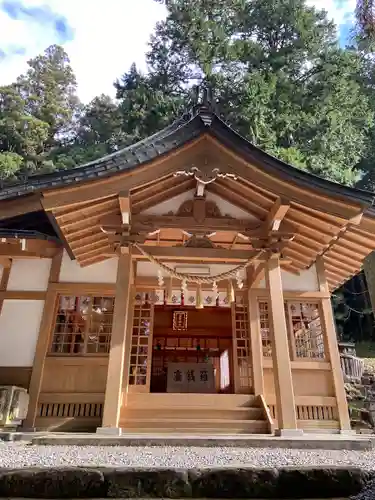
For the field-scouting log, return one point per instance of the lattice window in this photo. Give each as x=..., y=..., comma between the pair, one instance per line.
x=83, y=325
x=265, y=329
x=242, y=344
x=140, y=357
x=305, y=329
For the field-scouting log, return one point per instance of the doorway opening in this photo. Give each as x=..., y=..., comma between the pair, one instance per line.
x=198, y=357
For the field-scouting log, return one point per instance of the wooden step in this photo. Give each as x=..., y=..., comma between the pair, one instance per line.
x=158, y=400
x=196, y=431
x=193, y=412
x=193, y=425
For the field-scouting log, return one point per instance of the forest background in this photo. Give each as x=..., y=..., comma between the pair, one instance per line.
x=281, y=79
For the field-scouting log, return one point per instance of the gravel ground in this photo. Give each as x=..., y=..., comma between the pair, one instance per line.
x=21, y=455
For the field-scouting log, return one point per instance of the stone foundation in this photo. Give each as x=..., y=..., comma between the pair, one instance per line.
x=283, y=483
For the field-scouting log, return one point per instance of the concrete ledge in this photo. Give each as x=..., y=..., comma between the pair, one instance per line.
x=321, y=442
x=283, y=483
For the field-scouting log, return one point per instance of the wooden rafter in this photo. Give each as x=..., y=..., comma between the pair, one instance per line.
x=103, y=188
x=276, y=214
x=292, y=192
x=237, y=199
x=167, y=189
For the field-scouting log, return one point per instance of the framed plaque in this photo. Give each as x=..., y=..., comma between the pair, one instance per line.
x=180, y=320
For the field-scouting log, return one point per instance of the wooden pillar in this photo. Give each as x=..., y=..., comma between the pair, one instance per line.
x=285, y=402
x=113, y=392
x=48, y=318
x=256, y=344
x=329, y=329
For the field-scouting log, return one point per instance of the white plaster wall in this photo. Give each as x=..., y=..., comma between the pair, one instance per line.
x=19, y=331
x=29, y=274
x=102, y=272
x=227, y=209
x=307, y=281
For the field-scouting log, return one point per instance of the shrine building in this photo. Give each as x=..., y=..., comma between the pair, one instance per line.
x=179, y=285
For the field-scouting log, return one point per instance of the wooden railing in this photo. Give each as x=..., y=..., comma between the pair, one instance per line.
x=352, y=367
x=314, y=416
x=267, y=414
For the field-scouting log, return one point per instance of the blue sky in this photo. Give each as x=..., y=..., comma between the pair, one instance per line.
x=102, y=37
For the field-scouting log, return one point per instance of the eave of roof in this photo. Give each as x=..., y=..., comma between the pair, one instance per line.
x=200, y=121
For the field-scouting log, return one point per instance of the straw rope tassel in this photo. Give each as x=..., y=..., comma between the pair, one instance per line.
x=230, y=292
x=199, y=301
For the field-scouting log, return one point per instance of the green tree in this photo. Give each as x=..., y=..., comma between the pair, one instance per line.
x=147, y=103
x=10, y=165
x=20, y=132
x=281, y=78
x=49, y=91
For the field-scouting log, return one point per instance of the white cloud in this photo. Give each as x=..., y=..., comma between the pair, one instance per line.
x=338, y=10
x=109, y=36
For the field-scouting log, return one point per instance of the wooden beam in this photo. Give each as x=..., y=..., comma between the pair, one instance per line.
x=125, y=206
x=122, y=311
x=329, y=329
x=285, y=402
x=21, y=295
x=276, y=214
x=20, y=205
x=34, y=249
x=150, y=223
x=256, y=342
x=208, y=254
x=255, y=274
x=7, y=264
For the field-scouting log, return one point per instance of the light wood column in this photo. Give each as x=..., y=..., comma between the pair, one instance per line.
x=43, y=342
x=329, y=329
x=285, y=402
x=113, y=393
x=256, y=344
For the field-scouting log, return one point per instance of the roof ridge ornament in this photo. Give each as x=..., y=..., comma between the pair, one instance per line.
x=203, y=102
x=203, y=177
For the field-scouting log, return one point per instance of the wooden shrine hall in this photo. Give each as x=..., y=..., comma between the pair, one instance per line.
x=179, y=285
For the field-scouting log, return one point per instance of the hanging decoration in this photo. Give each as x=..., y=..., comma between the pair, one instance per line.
x=160, y=278
x=199, y=280
x=169, y=289
x=192, y=278
x=230, y=292
x=199, y=301
x=239, y=280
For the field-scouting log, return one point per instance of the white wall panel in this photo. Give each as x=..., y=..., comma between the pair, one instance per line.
x=29, y=274
x=307, y=281
x=102, y=272
x=19, y=331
